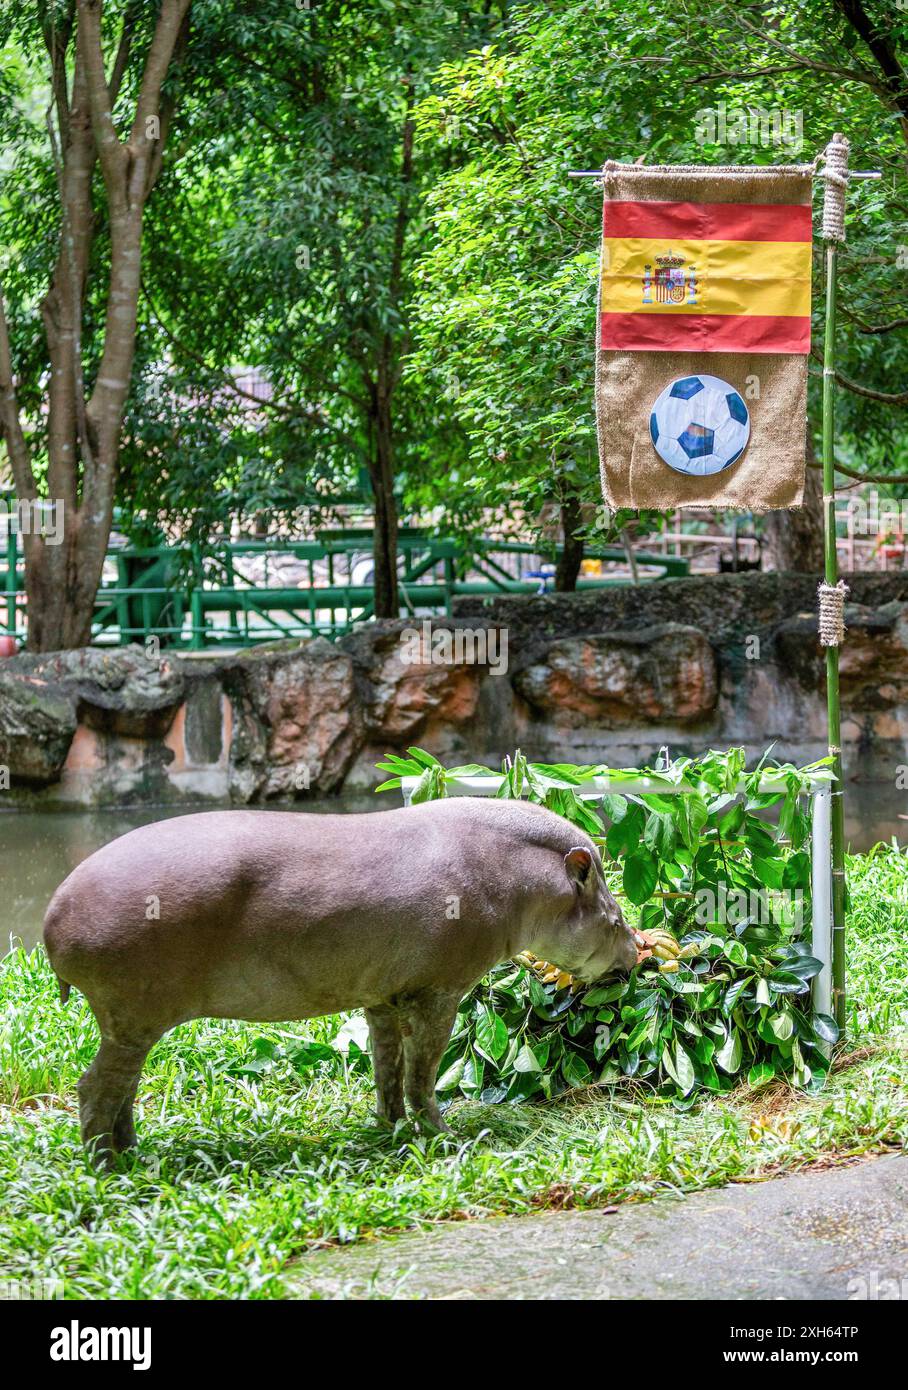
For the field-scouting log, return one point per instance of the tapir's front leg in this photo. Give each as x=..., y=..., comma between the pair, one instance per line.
x=426, y=1020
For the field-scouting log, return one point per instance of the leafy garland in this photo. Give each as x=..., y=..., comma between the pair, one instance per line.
x=704, y=864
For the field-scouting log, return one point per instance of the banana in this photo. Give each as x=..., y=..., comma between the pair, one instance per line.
x=668, y=967
x=662, y=940
x=546, y=972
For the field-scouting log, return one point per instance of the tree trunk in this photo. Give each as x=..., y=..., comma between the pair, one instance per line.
x=567, y=569
x=82, y=442
x=794, y=540
x=384, y=540
x=387, y=376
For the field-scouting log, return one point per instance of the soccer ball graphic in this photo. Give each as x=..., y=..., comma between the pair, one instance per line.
x=699, y=425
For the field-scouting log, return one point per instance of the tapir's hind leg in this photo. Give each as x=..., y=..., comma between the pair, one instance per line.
x=426, y=1022
x=106, y=1094
x=387, y=1063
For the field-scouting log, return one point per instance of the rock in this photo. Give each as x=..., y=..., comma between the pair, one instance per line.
x=118, y=690
x=660, y=675
x=37, y=725
x=404, y=697
x=727, y=606
x=296, y=721
x=873, y=660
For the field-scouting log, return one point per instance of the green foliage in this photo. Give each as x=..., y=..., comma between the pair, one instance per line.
x=703, y=864
x=508, y=281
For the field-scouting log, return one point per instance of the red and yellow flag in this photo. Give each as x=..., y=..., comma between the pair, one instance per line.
x=703, y=335
x=706, y=277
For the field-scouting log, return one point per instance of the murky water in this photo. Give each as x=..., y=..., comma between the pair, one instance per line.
x=38, y=850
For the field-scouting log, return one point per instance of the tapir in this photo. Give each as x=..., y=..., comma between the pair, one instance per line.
x=270, y=916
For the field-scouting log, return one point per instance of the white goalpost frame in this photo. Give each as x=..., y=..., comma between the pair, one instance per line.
x=820, y=847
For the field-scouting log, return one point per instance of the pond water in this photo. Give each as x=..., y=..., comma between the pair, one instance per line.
x=38, y=850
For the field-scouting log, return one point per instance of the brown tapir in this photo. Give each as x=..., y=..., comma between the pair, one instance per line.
x=269, y=916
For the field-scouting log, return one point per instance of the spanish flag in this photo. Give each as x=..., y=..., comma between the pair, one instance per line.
x=705, y=278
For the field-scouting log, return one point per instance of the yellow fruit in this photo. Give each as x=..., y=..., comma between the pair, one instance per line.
x=687, y=952
x=546, y=972
x=668, y=967
x=665, y=953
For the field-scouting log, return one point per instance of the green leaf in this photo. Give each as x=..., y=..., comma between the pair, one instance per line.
x=605, y=994
x=419, y=755
x=685, y=1071
x=760, y=1074
x=782, y=1025
x=430, y=786
x=575, y=1070
x=640, y=876
x=615, y=807
x=452, y=1077
x=491, y=1034
x=729, y=1055
x=826, y=1028
x=526, y=1060
x=624, y=835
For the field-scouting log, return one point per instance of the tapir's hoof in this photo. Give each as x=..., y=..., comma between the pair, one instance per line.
x=430, y=1122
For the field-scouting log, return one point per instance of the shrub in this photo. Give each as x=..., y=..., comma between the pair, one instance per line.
x=709, y=866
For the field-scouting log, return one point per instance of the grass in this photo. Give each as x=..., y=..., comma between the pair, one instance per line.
x=239, y=1170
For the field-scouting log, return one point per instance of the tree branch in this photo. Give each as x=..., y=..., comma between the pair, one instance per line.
x=887, y=397
x=873, y=328
x=10, y=421
x=90, y=56
x=884, y=53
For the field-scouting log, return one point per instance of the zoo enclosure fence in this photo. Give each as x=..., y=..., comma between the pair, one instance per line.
x=246, y=592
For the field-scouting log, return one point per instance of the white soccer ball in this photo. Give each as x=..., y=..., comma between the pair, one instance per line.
x=699, y=425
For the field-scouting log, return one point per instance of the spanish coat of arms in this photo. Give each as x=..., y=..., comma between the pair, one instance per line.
x=670, y=284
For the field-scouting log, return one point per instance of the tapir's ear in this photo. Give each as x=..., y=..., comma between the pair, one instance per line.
x=579, y=865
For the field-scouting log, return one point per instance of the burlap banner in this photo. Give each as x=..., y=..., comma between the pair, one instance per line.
x=703, y=335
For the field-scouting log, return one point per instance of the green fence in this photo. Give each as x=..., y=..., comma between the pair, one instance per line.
x=243, y=592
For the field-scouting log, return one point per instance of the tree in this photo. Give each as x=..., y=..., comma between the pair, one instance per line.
x=296, y=254
x=110, y=109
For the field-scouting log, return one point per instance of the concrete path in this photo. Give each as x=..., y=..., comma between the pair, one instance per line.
x=841, y=1233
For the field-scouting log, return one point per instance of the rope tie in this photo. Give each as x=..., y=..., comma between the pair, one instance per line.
x=832, y=613
x=835, y=175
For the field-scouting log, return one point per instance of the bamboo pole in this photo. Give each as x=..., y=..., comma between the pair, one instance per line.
x=832, y=651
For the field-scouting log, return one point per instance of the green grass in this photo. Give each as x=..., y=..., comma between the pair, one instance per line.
x=237, y=1174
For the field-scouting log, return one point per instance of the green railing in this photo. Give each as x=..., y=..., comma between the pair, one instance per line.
x=236, y=596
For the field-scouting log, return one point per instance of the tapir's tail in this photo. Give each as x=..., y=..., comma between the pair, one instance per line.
x=65, y=987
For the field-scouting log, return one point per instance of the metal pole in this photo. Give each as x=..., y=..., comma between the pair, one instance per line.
x=821, y=896
x=832, y=652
